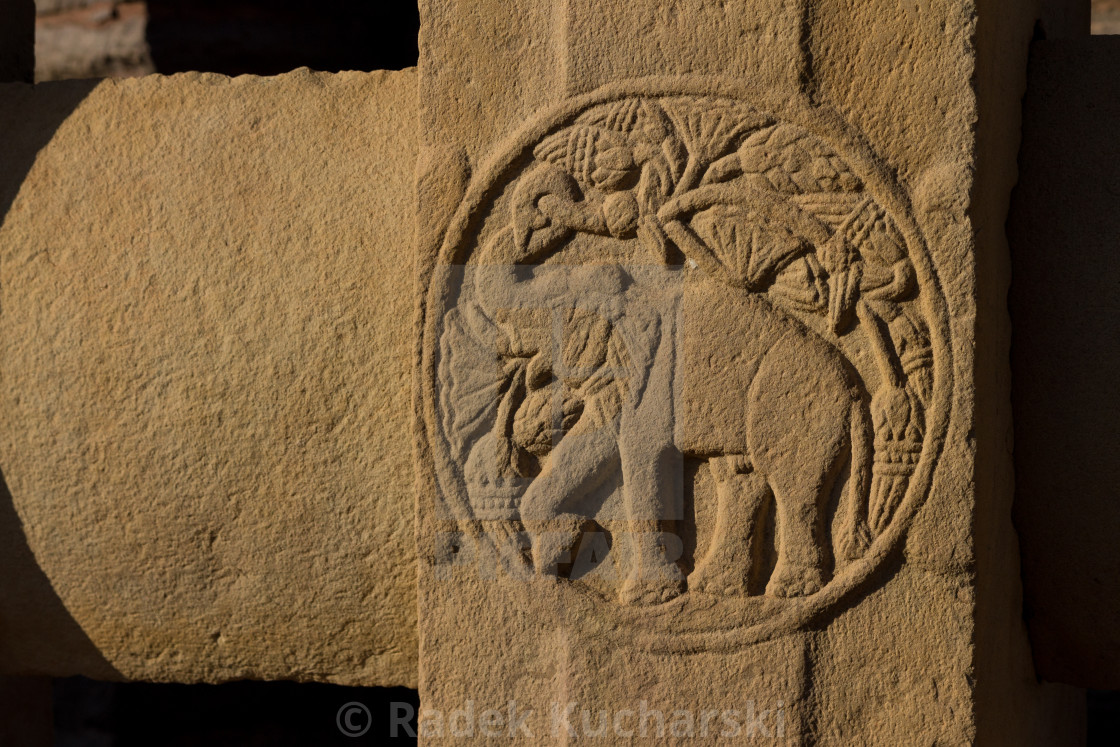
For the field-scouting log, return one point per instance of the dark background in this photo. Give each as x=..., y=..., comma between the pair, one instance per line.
x=237, y=714
x=126, y=38
x=268, y=37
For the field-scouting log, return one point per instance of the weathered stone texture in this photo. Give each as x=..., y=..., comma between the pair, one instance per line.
x=205, y=291
x=1063, y=228
x=911, y=106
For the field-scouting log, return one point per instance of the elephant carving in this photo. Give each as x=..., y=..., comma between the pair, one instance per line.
x=685, y=279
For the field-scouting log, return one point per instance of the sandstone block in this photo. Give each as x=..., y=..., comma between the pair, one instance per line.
x=712, y=395
x=203, y=284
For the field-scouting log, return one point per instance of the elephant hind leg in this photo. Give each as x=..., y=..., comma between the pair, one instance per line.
x=735, y=554
x=799, y=434
x=800, y=495
x=801, y=558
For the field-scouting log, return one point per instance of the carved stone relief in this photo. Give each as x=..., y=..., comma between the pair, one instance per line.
x=686, y=353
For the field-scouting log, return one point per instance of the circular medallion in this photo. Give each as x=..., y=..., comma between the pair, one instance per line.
x=686, y=362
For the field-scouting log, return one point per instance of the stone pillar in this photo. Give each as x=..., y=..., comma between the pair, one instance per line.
x=205, y=378
x=712, y=393
x=17, y=40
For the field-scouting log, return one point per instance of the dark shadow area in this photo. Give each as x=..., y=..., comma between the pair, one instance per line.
x=27, y=719
x=39, y=635
x=268, y=37
x=1103, y=717
x=17, y=40
x=29, y=117
x=236, y=714
x=1064, y=228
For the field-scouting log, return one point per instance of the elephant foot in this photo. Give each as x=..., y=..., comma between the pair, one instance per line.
x=640, y=591
x=552, y=542
x=794, y=581
x=708, y=579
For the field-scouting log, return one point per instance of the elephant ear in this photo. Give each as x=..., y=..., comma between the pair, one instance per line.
x=471, y=377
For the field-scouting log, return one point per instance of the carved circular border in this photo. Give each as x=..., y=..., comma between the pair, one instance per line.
x=652, y=628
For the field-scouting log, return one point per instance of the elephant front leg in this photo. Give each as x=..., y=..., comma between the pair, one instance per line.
x=578, y=465
x=652, y=478
x=736, y=548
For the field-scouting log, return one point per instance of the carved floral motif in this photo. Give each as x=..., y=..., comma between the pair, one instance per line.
x=656, y=262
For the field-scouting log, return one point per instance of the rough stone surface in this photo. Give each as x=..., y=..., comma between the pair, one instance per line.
x=51, y=7
x=205, y=360
x=1063, y=228
x=713, y=395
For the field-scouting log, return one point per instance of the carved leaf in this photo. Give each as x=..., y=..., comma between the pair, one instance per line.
x=711, y=128
x=580, y=150
x=621, y=116
x=831, y=208
x=471, y=377
x=802, y=285
x=742, y=235
x=794, y=163
x=751, y=249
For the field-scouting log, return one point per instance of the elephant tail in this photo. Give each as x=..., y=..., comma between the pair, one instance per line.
x=853, y=534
